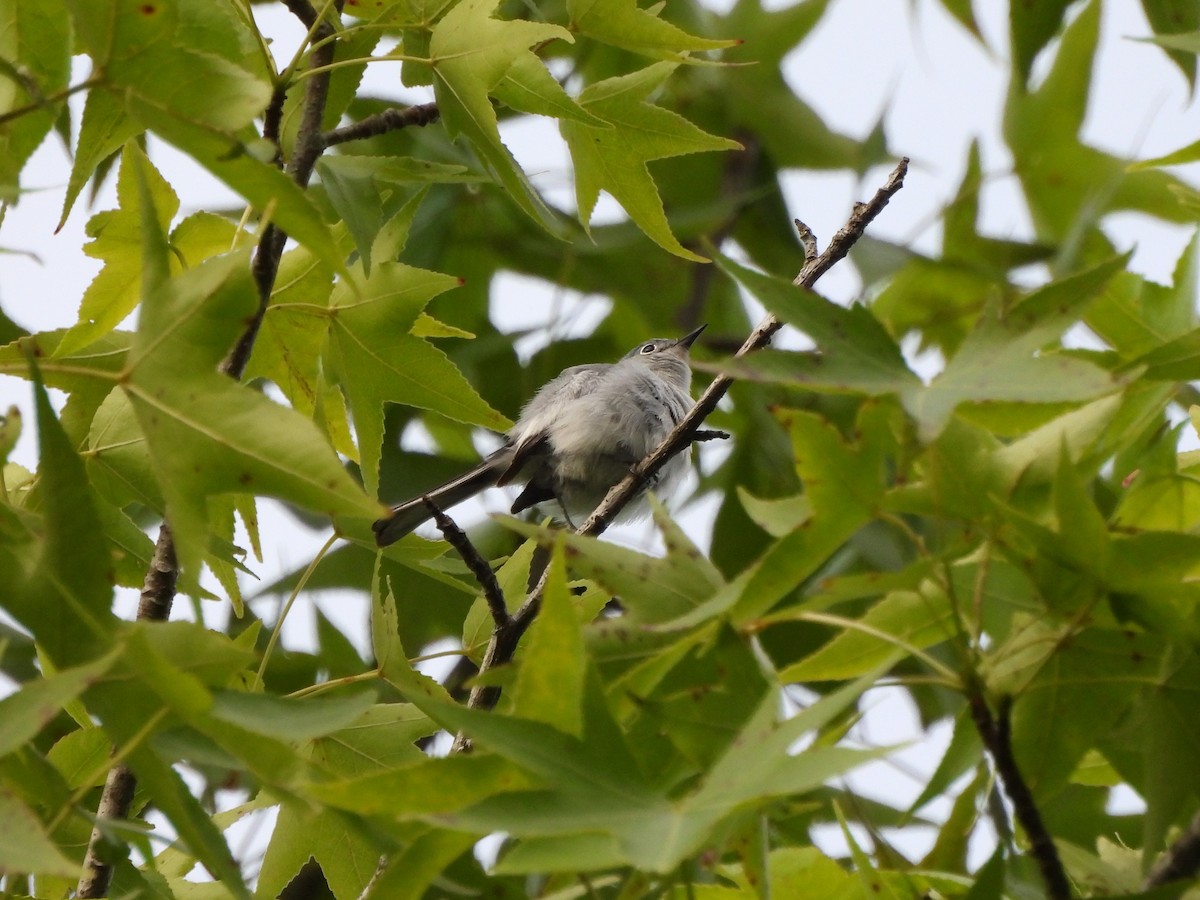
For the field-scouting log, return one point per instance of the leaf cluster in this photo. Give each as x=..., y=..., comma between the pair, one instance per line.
x=1016, y=530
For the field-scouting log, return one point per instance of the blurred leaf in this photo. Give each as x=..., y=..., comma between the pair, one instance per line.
x=35, y=49
x=64, y=600
x=1169, y=18
x=24, y=713
x=1031, y=26
x=24, y=844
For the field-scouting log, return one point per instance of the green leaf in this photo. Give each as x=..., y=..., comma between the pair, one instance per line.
x=65, y=605
x=347, y=856
x=614, y=159
x=356, y=185
x=758, y=99
x=1169, y=18
x=381, y=739
x=208, y=435
x=103, y=130
x=1005, y=358
x=916, y=619
x=1031, y=26
x=409, y=873
x=288, y=719
x=24, y=713
x=623, y=24
x=652, y=589
x=35, y=52
x=1068, y=185
x=377, y=359
x=844, y=485
x=25, y=845
x=470, y=53
x=117, y=240
x=553, y=661
x=427, y=787
x=857, y=354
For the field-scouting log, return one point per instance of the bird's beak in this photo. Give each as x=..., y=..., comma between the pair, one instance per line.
x=688, y=339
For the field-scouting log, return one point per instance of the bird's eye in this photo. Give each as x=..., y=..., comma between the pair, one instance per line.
x=647, y=348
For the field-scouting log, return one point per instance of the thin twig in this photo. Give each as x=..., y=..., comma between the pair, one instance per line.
x=41, y=102
x=504, y=640
x=308, y=148
x=457, y=538
x=1180, y=861
x=809, y=240
x=392, y=119
x=994, y=731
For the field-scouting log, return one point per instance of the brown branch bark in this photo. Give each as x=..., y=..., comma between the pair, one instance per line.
x=1180, y=861
x=484, y=576
x=394, y=119
x=158, y=591
x=994, y=730
x=506, y=637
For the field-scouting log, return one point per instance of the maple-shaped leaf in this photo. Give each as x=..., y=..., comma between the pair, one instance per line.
x=377, y=359
x=117, y=240
x=623, y=24
x=470, y=52
x=614, y=159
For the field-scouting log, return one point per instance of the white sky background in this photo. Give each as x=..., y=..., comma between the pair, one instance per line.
x=905, y=60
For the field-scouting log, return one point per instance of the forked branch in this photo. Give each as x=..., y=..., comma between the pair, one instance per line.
x=505, y=638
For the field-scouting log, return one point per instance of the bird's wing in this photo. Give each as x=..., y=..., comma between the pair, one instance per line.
x=532, y=431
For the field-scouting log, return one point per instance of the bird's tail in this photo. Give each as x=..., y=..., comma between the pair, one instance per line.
x=411, y=513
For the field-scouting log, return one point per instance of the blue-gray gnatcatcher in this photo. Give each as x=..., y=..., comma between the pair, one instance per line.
x=578, y=436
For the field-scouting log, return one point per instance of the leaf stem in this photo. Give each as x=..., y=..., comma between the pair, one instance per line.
x=49, y=99
x=273, y=641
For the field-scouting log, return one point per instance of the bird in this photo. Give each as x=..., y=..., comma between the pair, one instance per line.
x=579, y=435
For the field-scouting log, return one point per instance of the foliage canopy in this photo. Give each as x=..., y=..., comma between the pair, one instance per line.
x=1011, y=541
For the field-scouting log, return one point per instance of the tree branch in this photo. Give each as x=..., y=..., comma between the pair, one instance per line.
x=158, y=592
x=1180, y=861
x=504, y=640
x=392, y=119
x=994, y=730
x=681, y=437
x=457, y=538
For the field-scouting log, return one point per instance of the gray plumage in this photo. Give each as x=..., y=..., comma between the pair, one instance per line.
x=577, y=437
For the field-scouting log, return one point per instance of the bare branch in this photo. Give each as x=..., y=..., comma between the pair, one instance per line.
x=504, y=639
x=809, y=240
x=457, y=538
x=392, y=119
x=994, y=730
x=1181, y=860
